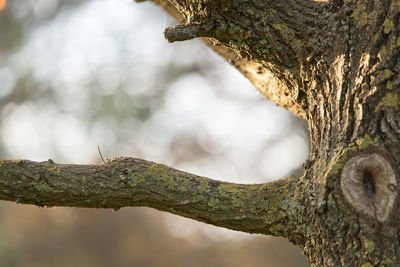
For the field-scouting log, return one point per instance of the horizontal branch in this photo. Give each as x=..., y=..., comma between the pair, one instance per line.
x=130, y=182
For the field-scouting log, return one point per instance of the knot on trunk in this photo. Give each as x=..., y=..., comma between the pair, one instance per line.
x=369, y=184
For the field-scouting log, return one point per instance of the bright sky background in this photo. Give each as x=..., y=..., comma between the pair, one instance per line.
x=119, y=45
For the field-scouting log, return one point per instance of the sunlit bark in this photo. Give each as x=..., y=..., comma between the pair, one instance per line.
x=337, y=64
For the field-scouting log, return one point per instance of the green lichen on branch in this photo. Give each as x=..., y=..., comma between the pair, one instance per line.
x=129, y=182
x=390, y=100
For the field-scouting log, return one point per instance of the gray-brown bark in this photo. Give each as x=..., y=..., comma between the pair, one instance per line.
x=259, y=75
x=347, y=85
x=129, y=182
x=338, y=66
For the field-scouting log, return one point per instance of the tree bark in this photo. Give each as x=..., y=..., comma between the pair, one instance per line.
x=337, y=64
x=129, y=182
x=340, y=63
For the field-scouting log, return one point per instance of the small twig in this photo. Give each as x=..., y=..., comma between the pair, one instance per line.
x=105, y=163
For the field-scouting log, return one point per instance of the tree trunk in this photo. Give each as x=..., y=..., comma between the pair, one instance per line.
x=339, y=64
x=336, y=65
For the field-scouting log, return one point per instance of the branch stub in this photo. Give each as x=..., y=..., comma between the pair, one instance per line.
x=369, y=184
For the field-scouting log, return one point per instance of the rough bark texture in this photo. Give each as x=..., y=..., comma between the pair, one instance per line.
x=338, y=67
x=256, y=208
x=340, y=63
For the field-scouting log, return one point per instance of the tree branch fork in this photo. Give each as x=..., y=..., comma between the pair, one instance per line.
x=272, y=42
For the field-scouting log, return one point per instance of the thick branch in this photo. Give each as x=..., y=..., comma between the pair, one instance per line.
x=258, y=38
x=257, y=208
x=273, y=32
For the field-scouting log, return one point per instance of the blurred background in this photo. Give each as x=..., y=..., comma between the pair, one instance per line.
x=77, y=74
